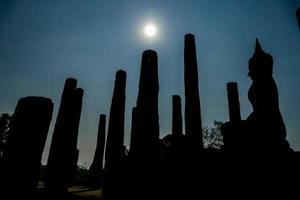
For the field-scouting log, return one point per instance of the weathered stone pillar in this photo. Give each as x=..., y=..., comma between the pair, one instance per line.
x=97, y=164
x=147, y=107
x=233, y=102
x=115, y=134
x=193, y=123
x=26, y=141
x=176, y=116
x=74, y=129
x=63, y=155
x=114, y=153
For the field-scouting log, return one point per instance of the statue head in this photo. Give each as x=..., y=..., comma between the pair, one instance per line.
x=260, y=64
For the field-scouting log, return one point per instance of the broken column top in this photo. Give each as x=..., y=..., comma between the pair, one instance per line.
x=121, y=76
x=70, y=83
x=231, y=85
x=189, y=40
x=102, y=117
x=149, y=68
x=35, y=99
x=176, y=97
x=189, y=37
x=190, y=49
x=79, y=92
x=150, y=52
x=149, y=56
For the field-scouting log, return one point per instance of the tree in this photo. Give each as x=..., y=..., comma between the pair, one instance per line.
x=5, y=121
x=212, y=137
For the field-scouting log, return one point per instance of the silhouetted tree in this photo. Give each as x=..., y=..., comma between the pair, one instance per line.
x=212, y=137
x=5, y=120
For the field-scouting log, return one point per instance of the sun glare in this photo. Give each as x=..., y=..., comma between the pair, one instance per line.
x=150, y=30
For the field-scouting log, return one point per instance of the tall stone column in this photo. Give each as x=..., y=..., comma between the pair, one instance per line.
x=63, y=155
x=115, y=134
x=193, y=123
x=114, y=153
x=176, y=116
x=233, y=102
x=74, y=129
x=147, y=107
x=97, y=164
x=25, y=144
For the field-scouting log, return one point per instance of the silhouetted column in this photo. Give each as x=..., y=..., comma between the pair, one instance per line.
x=233, y=102
x=26, y=141
x=74, y=129
x=97, y=165
x=193, y=123
x=298, y=16
x=176, y=116
x=63, y=155
x=147, y=107
x=115, y=140
x=115, y=133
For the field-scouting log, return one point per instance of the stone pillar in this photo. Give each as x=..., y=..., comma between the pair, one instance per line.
x=97, y=164
x=115, y=134
x=63, y=155
x=147, y=107
x=193, y=123
x=233, y=102
x=74, y=129
x=25, y=144
x=176, y=116
x=114, y=153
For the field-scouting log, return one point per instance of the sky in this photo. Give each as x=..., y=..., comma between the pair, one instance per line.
x=43, y=42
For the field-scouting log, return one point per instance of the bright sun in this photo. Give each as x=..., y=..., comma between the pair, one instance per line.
x=150, y=30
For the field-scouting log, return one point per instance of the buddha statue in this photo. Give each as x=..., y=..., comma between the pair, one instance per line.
x=264, y=129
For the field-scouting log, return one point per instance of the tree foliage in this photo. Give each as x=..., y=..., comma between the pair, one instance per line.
x=212, y=137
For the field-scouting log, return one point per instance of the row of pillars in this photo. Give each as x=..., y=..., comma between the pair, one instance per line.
x=144, y=143
x=33, y=115
x=145, y=118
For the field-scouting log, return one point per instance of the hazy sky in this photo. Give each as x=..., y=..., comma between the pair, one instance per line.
x=42, y=42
